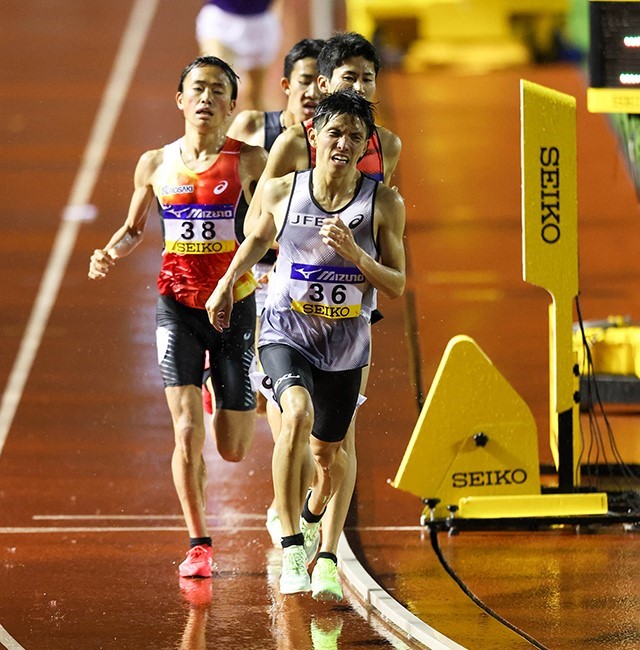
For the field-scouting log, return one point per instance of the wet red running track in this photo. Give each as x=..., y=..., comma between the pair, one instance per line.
x=90, y=528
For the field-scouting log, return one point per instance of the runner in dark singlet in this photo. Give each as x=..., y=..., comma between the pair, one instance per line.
x=299, y=83
x=261, y=128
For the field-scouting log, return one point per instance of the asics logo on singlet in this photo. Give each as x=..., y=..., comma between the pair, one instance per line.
x=166, y=190
x=356, y=221
x=220, y=187
x=289, y=375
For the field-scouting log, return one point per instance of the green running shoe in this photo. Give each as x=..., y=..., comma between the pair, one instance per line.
x=325, y=583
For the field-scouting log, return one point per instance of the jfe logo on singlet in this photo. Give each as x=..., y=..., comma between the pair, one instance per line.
x=199, y=229
x=327, y=291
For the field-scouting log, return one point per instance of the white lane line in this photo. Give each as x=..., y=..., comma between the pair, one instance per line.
x=38, y=530
x=229, y=516
x=224, y=528
x=8, y=641
x=127, y=58
x=226, y=517
x=117, y=87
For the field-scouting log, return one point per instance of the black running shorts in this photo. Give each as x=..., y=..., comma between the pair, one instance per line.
x=184, y=333
x=334, y=394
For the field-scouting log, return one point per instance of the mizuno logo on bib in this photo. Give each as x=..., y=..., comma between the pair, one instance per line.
x=327, y=291
x=199, y=229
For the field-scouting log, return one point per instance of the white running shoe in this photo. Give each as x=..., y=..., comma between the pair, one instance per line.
x=295, y=577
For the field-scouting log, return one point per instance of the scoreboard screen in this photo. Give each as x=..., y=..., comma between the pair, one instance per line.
x=614, y=57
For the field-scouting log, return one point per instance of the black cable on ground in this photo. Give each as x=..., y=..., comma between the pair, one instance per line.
x=433, y=533
x=628, y=477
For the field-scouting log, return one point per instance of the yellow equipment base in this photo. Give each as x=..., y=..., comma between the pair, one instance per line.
x=533, y=505
x=475, y=435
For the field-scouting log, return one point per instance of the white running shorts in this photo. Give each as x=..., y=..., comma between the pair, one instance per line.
x=254, y=40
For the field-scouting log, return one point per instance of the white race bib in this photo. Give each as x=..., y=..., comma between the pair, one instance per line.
x=327, y=291
x=199, y=229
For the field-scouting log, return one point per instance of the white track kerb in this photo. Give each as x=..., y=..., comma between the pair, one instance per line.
x=389, y=609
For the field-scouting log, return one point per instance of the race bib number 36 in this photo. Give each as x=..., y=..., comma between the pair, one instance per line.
x=327, y=291
x=199, y=229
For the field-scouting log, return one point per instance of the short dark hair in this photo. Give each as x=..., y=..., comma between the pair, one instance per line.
x=306, y=48
x=345, y=46
x=205, y=61
x=344, y=102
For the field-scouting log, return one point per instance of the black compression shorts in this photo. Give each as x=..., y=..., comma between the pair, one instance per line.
x=334, y=394
x=184, y=333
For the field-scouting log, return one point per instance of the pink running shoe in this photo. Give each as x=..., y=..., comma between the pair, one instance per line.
x=198, y=563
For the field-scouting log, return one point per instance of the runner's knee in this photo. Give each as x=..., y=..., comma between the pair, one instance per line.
x=189, y=440
x=233, y=451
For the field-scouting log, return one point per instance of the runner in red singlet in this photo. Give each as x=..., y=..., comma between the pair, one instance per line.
x=197, y=181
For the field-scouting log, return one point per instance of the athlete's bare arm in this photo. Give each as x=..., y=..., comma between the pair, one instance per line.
x=252, y=164
x=274, y=203
x=248, y=126
x=391, y=148
x=388, y=274
x=130, y=234
x=288, y=154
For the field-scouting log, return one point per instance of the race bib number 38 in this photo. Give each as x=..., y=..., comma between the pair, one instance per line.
x=327, y=291
x=199, y=229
